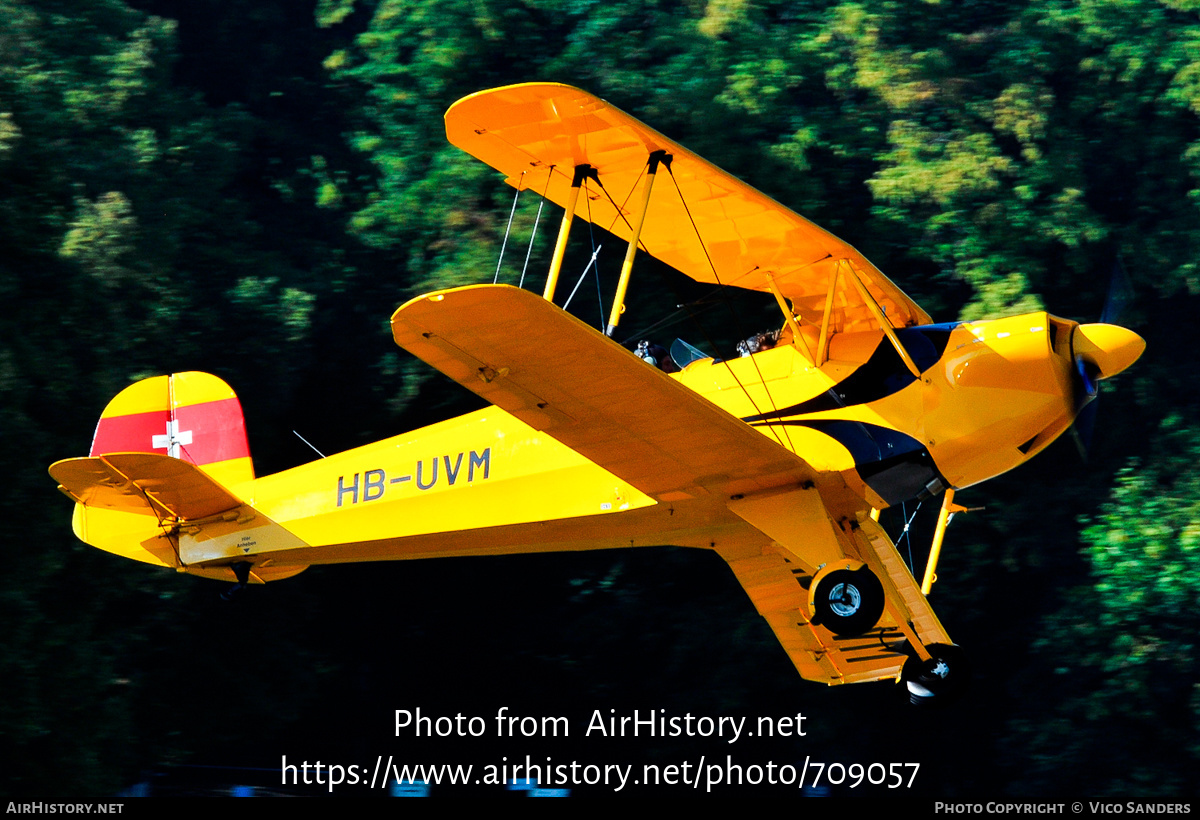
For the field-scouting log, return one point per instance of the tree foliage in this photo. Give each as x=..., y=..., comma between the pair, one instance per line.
x=1132, y=663
x=251, y=187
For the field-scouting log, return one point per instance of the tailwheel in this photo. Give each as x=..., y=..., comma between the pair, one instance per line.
x=938, y=680
x=848, y=602
x=241, y=571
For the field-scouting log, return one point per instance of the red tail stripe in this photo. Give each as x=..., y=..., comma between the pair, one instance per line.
x=129, y=434
x=216, y=427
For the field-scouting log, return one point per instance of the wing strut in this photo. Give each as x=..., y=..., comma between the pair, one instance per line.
x=790, y=318
x=823, y=345
x=627, y=266
x=884, y=324
x=582, y=172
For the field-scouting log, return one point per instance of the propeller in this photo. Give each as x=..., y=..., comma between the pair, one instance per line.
x=1101, y=351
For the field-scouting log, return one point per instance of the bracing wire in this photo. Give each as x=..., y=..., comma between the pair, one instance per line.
x=716, y=276
x=620, y=209
x=595, y=248
x=508, y=229
x=591, y=262
x=682, y=312
x=905, y=533
x=536, y=221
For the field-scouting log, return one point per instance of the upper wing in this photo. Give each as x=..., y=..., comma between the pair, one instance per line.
x=714, y=228
x=560, y=376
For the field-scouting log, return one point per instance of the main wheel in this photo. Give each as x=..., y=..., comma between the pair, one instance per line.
x=849, y=603
x=939, y=679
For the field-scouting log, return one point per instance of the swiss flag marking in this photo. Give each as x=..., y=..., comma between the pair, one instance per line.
x=199, y=433
x=172, y=440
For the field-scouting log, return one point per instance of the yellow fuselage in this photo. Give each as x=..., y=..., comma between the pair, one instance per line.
x=991, y=395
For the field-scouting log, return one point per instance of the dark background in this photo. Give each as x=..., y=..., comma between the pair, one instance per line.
x=250, y=188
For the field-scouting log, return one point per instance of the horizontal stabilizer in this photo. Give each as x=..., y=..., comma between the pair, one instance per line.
x=147, y=483
x=562, y=377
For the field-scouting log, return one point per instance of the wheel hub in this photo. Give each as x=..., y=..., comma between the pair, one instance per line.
x=844, y=599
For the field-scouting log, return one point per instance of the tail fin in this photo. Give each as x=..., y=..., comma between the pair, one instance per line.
x=174, y=448
x=191, y=416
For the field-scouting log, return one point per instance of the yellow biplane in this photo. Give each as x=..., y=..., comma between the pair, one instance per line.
x=778, y=460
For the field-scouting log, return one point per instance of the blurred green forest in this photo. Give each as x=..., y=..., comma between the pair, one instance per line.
x=250, y=187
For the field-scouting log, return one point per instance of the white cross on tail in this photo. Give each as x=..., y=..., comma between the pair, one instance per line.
x=172, y=439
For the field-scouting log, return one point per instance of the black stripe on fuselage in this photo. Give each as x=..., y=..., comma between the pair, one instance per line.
x=879, y=376
x=895, y=465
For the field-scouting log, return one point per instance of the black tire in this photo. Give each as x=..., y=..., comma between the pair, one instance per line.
x=848, y=603
x=938, y=680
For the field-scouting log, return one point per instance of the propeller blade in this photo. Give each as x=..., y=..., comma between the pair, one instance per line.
x=1083, y=428
x=1120, y=294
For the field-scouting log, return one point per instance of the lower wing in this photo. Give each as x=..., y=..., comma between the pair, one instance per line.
x=564, y=378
